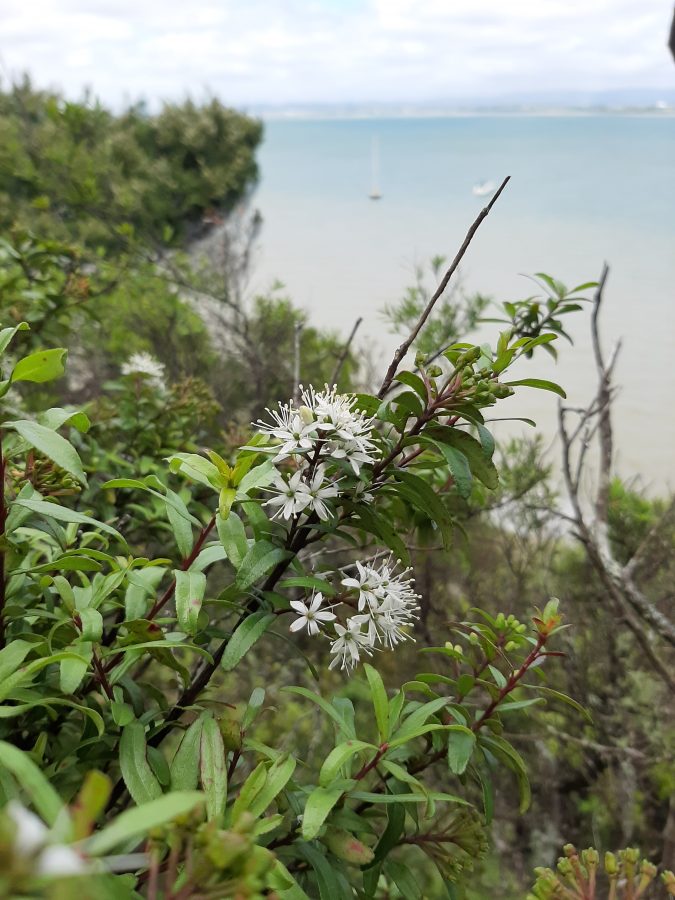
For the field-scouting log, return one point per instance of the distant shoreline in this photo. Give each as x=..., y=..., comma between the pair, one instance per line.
x=305, y=115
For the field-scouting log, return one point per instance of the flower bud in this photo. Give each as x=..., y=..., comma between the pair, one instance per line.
x=610, y=864
x=306, y=415
x=345, y=846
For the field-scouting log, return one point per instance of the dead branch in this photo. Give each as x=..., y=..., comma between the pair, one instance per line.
x=345, y=352
x=405, y=346
x=618, y=580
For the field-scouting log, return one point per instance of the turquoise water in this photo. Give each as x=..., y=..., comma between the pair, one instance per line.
x=584, y=189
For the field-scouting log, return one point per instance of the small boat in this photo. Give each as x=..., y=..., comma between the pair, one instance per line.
x=484, y=188
x=375, y=159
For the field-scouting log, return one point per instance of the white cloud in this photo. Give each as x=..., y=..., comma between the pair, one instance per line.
x=281, y=51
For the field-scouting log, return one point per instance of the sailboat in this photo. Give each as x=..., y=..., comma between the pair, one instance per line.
x=375, y=160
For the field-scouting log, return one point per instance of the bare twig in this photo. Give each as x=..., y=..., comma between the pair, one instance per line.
x=405, y=346
x=345, y=352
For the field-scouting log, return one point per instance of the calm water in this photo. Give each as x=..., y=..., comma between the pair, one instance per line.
x=583, y=190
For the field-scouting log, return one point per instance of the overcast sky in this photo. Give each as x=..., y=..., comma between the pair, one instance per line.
x=251, y=52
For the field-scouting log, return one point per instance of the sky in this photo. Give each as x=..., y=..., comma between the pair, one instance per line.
x=285, y=52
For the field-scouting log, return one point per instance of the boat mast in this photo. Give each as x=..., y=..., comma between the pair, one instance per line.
x=375, y=160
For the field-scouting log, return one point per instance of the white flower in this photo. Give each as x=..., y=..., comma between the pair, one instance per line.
x=326, y=416
x=317, y=490
x=31, y=832
x=60, y=860
x=389, y=601
x=144, y=364
x=310, y=616
x=292, y=496
x=31, y=838
x=295, y=433
x=348, y=645
x=365, y=584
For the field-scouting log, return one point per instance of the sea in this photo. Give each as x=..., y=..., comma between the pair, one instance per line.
x=585, y=189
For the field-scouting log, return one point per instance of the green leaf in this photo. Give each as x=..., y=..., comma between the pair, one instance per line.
x=25, y=673
x=12, y=656
x=555, y=695
x=134, y=823
x=251, y=629
x=378, y=525
x=278, y=776
x=458, y=465
x=190, y=587
x=8, y=712
x=33, y=783
x=415, y=382
x=49, y=442
x=253, y=707
x=327, y=707
x=461, y=743
x=404, y=880
x=481, y=465
x=63, y=514
x=232, y=536
x=56, y=417
x=312, y=582
x=416, y=719
x=330, y=886
x=260, y=476
x=136, y=772
x=72, y=671
x=179, y=518
x=510, y=757
x=380, y=701
x=249, y=791
x=337, y=758
x=539, y=383
x=198, y=469
x=317, y=808
x=486, y=440
x=213, y=772
x=418, y=492
x=284, y=884
x=91, y=624
x=7, y=334
x=41, y=366
x=259, y=560
x=185, y=764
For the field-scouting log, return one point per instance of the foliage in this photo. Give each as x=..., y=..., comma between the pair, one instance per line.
x=124, y=726
x=78, y=173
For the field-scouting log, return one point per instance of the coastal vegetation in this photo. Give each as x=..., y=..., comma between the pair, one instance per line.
x=273, y=624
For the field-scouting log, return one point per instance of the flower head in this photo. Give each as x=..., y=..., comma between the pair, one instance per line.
x=346, y=648
x=310, y=616
x=144, y=364
x=291, y=495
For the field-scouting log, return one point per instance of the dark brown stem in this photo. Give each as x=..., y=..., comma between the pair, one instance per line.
x=101, y=675
x=3, y=519
x=405, y=346
x=361, y=774
x=185, y=565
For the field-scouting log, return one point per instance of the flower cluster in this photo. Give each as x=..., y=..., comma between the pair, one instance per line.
x=145, y=364
x=323, y=430
x=386, y=605
x=325, y=419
